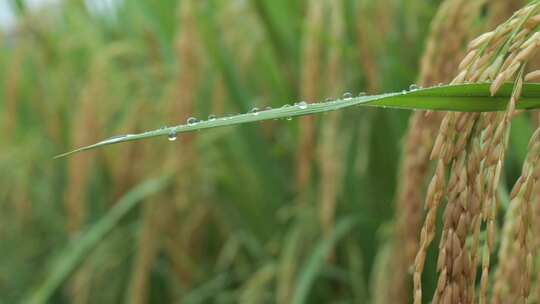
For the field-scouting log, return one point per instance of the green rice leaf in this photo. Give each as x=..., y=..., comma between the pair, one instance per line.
x=315, y=261
x=463, y=98
x=73, y=255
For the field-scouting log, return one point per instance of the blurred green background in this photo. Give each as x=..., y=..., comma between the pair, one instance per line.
x=290, y=211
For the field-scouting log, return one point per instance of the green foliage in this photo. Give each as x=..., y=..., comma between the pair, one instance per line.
x=68, y=261
x=70, y=76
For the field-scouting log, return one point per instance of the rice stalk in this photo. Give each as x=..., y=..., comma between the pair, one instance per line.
x=309, y=84
x=355, y=262
x=329, y=147
x=79, y=171
x=153, y=213
x=254, y=290
x=147, y=250
x=186, y=245
x=146, y=247
x=286, y=274
x=382, y=265
x=11, y=88
x=158, y=224
x=84, y=119
x=374, y=15
x=311, y=266
x=12, y=91
x=183, y=228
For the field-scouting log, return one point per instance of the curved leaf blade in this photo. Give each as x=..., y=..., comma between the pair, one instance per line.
x=462, y=98
x=315, y=261
x=69, y=258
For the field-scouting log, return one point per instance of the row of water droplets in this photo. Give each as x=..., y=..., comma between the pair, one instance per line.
x=192, y=121
x=414, y=87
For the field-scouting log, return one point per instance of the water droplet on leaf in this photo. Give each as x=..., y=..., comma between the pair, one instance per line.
x=302, y=105
x=172, y=136
x=347, y=95
x=192, y=120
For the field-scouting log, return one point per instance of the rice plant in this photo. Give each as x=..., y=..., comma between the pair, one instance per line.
x=270, y=151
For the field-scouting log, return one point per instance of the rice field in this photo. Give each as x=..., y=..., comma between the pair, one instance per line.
x=349, y=205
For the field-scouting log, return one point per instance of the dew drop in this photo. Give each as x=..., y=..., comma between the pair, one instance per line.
x=328, y=99
x=289, y=118
x=117, y=137
x=286, y=105
x=268, y=108
x=212, y=117
x=413, y=87
x=192, y=120
x=254, y=111
x=404, y=92
x=347, y=95
x=302, y=105
x=172, y=136
x=361, y=94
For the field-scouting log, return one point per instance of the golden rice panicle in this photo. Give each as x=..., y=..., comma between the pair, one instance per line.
x=475, y=182
x=453, y=261
x=497, y=126
x=535, y=224
x=451, y=26
x=533, y=76
x=536, y=232
x=513, y=276
x=443, y=150
x=490, y=58
x=499, y=54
